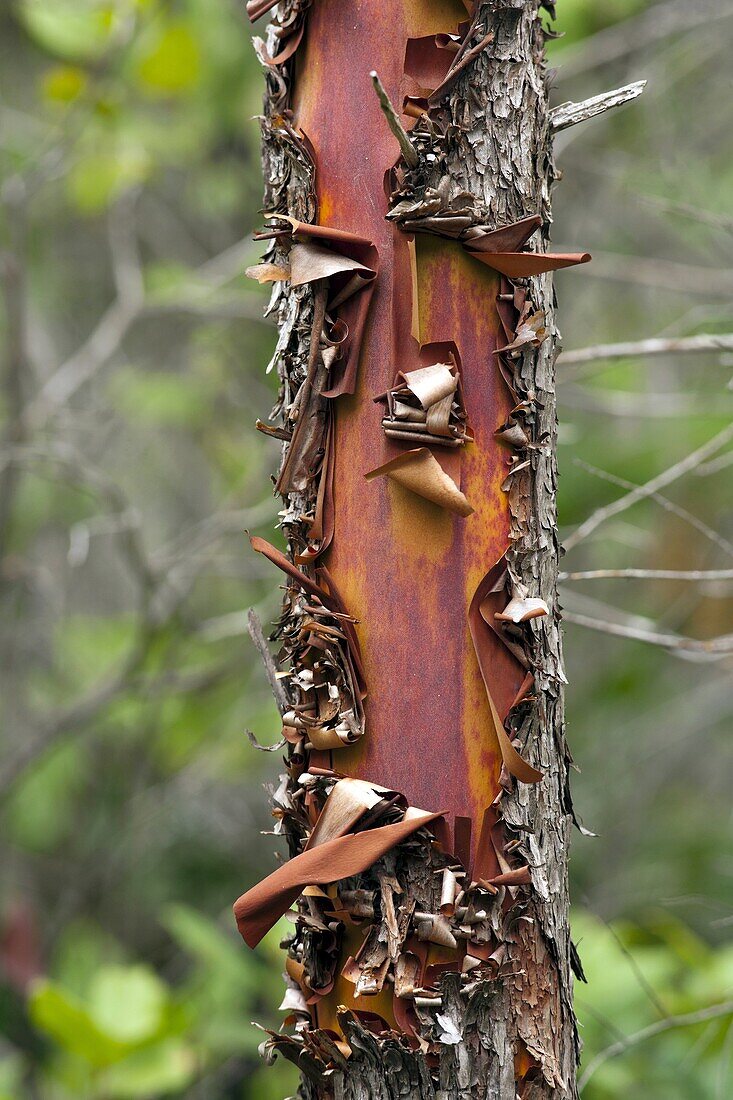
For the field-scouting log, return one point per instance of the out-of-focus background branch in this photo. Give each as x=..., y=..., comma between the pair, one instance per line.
x=132, y=370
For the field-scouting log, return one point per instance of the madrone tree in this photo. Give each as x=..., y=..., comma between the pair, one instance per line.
x=407, y=155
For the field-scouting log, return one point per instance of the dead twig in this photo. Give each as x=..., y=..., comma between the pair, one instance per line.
x=570, y=114
x=406, y=147
x=668, y=505
x=713, y=648
x=631, y=349
x=649, y=574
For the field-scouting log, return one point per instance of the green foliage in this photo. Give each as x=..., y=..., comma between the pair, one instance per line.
x=639, y=975
x=129, y=1033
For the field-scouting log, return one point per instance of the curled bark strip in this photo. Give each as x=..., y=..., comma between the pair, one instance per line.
x=426, y=406
x=419, y=471
x=257, y=8
x=500, y=248
x=350, y=263
x=262, y=906
x=286, y=51
x=483, y=644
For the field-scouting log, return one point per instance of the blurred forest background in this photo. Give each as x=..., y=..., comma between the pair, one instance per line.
x=133, y=368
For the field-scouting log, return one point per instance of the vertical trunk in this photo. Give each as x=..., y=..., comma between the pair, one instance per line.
x=398, y=987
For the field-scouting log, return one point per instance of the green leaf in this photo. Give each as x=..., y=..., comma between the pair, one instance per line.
x=75, y=29
x=127, y=1002
x=64, y=83
x=207, y=944
x=172, y=65
x=154, y=1071
x=64, y=1019
x=100, y=176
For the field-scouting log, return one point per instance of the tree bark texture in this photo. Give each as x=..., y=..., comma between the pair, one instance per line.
x=443, y=970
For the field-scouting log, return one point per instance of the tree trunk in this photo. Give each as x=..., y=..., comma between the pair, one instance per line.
x=405, y=981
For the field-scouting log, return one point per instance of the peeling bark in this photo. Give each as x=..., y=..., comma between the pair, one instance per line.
x=487, y=145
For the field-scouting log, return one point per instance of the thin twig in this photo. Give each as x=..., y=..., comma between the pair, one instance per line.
x=703, y=342
x=712, y=648
x=89, y=479
x=131, y=304
x=13, y=287
x=649, y=574
x=673, y=473
x=722, y=462
x=685, y=1019
x=113, y=325
x=408, y=150
x=669, y=506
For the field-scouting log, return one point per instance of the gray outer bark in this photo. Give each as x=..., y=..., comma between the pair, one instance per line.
x=500, y=152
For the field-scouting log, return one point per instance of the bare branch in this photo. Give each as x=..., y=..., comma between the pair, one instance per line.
x=685, y=1019
x=130, y=304
x=687, y=345
x=113, y=325
x=669, y=506
x=12, y=284
x=673, y=473
x=649, y=574
x=70, y=720
x=126, y=678
x=91, y=480
x=711, y=649
x=722, y=462
x=570, y=114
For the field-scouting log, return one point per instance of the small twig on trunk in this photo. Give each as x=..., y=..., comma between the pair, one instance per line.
x=570, y=114
x=407, y=148
x=685, y=1019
